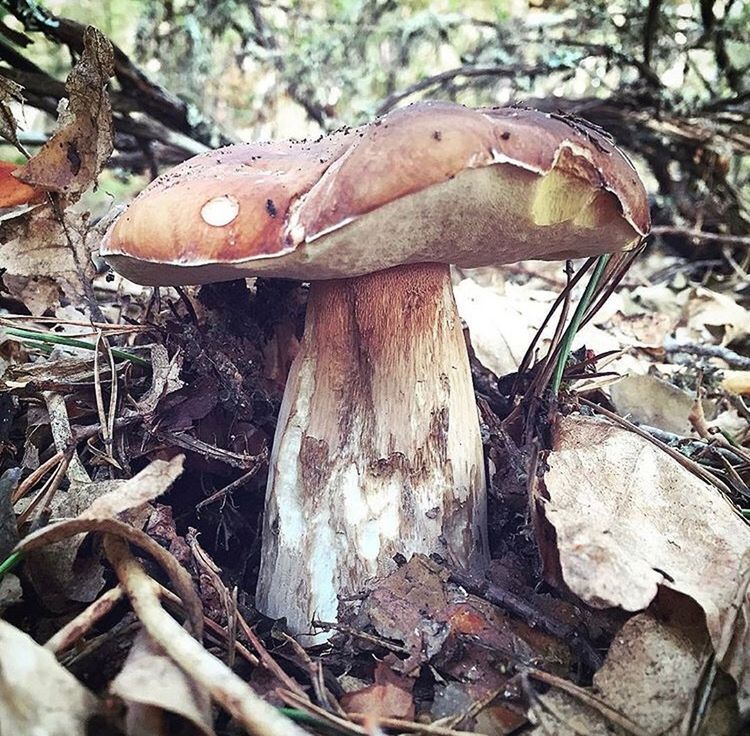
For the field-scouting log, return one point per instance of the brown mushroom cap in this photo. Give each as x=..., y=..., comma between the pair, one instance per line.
x=432, y=182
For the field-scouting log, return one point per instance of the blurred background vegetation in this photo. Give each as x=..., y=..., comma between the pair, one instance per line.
x=667, y=78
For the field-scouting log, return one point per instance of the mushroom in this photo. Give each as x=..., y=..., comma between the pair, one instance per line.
x=377, y=453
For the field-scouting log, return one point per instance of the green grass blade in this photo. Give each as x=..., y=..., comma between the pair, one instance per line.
x=46, y=337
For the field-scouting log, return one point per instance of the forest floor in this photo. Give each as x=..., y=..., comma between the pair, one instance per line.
x=617, y=596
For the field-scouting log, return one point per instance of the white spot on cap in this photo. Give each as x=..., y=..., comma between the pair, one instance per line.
x=297, y=233
x=220, y=211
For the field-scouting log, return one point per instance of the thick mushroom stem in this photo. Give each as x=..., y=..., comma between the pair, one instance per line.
x=377, y=450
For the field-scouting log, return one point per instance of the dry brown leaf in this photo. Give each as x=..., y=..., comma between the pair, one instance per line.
x=657, y=403
x=37, y=695
x=151, y=683
x=389, y=696
x=465, y=638
x=62, y=370
x=500, y=326
x=650, y=675
x=708, y=313
x=72, y=159
x=45, y=261
x=151, y=482
x=736, y=382
x=10, y=92
x=403, y=606
x=628, y=519
x=642, y=329
x=58, y=572
x=166, y=379
x=14, y=194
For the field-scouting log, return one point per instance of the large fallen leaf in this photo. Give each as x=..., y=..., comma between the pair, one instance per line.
x=628, y=519
x=651, y=675
x=500, y=326
x=652, y=401
x=72, y=159
x=151, y=683
x=37, y=695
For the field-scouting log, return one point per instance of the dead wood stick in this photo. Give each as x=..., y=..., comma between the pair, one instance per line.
x=78, y=626
x=224, y=686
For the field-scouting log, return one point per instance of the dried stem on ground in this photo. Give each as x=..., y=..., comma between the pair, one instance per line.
x=225, y=687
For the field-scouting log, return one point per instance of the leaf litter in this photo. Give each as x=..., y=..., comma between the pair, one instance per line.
x=617, y=594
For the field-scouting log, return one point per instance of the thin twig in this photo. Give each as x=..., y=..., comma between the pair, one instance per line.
x=587, y=698
x=464, y=71
x=688, y=232
x=268, y=662
x=210, y=625
x=226, y=688
x=734, y=360
x=315, y=672
x=28, y=483
x=233, y=486
x=84, y=621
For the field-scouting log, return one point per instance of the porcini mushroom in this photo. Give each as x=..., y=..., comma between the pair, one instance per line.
x=377, y=450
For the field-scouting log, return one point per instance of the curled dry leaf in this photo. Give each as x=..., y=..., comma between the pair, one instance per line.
x=10, y=92
x=256, y=715
x=151, y=482
x=710, y=314
x=177, y=574
x=53, y=373
x=165, y=379
x=57, y=571
x=629, y=519
x=151, y=683
x=37, y=695
x=651, y=676
x=72, y=159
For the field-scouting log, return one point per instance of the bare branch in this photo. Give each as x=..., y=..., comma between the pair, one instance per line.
x=465, y=71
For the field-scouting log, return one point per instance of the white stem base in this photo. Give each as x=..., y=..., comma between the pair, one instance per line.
x=377, y=450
